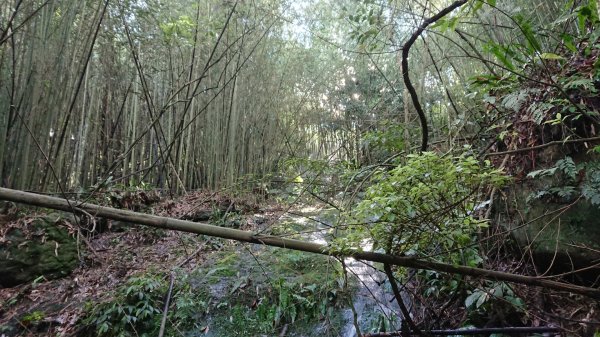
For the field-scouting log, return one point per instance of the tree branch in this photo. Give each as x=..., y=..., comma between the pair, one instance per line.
x=475, y=331
x=163, y=322
x=388, y=271
x=406, y=76
x=538, y=147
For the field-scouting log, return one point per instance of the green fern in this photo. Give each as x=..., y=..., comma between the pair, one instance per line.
x=570, y=183
x=591, y=187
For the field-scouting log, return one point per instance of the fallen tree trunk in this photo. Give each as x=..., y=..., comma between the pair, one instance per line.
x=470, y=332
x=245, y=236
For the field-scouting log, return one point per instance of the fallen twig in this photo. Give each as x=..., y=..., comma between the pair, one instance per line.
x=463, y=332
x=163, y=323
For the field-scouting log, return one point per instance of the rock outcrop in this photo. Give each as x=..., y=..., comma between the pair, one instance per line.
x=34, y=247
x=555, y=224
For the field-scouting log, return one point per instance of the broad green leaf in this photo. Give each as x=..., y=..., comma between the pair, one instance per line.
x=568, y=41
x=477, y=6
x=472, y=299
x=482, y=299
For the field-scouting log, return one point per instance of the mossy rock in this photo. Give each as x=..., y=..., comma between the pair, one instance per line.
x=561, y=235
x=41, y=247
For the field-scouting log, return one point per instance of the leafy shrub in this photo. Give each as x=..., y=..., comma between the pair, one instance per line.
x=495, y=303
x=385, y=141
x=424, y=208
x=547, y=89
x=136, y=308
x=427, y=208
x=32, y=317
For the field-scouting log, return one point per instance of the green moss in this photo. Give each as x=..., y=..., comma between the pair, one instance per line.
x=244, y=322
x=223, y=265
x=32, y=317
x=41, y=248
x=257, y=294
x=220, y=272
x=561, y=235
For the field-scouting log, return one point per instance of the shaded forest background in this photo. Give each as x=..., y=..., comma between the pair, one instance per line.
x=186, y=95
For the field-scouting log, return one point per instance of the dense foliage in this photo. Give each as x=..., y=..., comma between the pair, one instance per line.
x=310, y=102
x=428, y=207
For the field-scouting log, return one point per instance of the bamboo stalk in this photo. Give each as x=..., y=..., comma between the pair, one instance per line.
x=163, y=322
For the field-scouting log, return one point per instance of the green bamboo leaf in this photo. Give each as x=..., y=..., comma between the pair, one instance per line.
x=501, y=54
x=551, y=56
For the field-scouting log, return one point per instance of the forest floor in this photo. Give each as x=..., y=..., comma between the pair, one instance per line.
x=232, y=279
x=118, y=256
x=222, y=288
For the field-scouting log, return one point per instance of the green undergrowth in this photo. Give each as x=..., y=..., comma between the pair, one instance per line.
x=237, y=292
x=135, y=308
x=262, y=289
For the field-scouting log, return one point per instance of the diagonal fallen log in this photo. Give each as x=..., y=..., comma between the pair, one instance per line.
x=245, y=236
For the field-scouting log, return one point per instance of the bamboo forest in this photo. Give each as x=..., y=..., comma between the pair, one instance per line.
x=281, y=168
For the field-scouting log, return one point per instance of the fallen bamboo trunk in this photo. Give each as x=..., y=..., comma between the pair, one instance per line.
x=245, y=236
x=470, y=332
